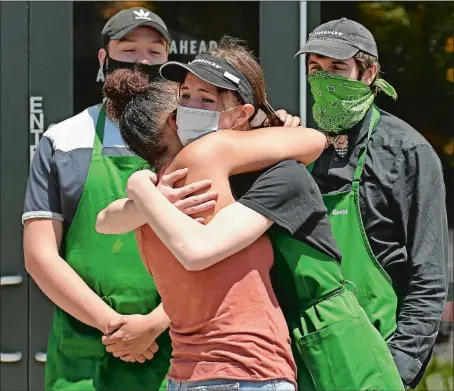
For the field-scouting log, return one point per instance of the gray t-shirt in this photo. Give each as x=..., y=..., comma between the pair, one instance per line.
x=60, y=165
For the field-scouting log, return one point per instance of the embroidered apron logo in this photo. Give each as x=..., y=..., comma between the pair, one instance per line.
x=340, y=212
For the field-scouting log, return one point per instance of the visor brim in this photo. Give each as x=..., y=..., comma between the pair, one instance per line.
x=177, y=71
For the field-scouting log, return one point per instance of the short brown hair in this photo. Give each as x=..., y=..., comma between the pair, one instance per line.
x=364, y=61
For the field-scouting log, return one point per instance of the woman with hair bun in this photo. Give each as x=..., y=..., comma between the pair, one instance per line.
x=226, y=325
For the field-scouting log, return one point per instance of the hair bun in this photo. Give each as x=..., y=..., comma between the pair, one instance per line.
x=120, y=87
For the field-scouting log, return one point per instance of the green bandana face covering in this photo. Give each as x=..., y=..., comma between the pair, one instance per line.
x=340, y=102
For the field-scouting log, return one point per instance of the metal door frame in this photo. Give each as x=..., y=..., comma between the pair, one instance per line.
x=14, y=33
x=284, y=27
x=51, y=101
x=279, y=41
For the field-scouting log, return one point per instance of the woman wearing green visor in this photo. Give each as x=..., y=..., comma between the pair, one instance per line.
x=334, y=344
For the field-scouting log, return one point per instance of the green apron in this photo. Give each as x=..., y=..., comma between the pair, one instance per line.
x=335, y=345
x=374, y=289
x=112, y=268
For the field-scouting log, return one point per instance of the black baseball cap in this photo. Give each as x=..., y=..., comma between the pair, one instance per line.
x=125, y=21
x=213, y=70
x=340, y=39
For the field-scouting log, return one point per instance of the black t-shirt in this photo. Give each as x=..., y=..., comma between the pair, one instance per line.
x=288, y=195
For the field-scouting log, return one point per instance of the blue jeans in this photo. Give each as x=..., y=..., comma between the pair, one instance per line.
x=231, y=385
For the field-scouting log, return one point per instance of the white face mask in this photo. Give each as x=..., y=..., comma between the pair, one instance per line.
x=194, y=123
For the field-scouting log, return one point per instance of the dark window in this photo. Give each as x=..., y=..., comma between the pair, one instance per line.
x=194, y=27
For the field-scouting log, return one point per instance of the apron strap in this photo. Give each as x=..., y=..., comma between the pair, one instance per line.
x=363, y=151
x=310, y=167
x=99, y=134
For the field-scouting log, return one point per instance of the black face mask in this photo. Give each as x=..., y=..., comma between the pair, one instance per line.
x=152, y=71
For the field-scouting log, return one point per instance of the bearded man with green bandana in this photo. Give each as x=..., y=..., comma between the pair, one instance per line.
x=382, y=184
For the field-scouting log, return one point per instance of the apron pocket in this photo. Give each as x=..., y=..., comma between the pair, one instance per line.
x=340, y=357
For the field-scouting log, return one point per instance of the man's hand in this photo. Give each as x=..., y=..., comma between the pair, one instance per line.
x=133, y=338
x=286, y=120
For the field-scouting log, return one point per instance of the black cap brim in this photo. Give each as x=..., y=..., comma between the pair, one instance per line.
x=121, y=34
x=177, y=71
x=329, y=48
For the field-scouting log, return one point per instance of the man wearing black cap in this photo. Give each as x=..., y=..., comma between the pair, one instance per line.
x=384, y=189
x=80, y=166
x=129, y=42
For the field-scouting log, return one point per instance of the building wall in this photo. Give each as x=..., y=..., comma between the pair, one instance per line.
x=49, y=71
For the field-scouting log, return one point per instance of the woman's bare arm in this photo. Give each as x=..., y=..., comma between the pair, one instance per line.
x=217, y=156
x=197, y=246
x=241, y=152
x=121, y=216
x=194, y=245
x=257, y=149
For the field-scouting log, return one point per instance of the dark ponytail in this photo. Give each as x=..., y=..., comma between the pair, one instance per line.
x=141, y=110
